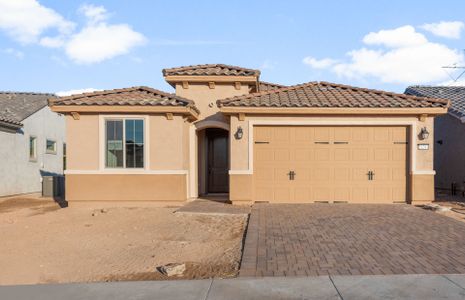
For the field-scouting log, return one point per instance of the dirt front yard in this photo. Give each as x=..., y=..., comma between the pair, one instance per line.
x=456, y=211
x=41, y=243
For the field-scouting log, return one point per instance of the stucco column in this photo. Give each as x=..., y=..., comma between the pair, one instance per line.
x=422, y=177
x=240, y=176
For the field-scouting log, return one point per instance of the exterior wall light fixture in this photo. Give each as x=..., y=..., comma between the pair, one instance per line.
x=424, y=134
x=239, y=133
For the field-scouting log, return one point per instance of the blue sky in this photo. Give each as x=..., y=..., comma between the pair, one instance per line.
x=51, y=46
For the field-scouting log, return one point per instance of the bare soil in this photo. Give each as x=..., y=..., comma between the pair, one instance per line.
x=457, y=211
x=42, y=243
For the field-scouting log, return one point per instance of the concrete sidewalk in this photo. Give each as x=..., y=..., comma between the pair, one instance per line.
x=322, y=287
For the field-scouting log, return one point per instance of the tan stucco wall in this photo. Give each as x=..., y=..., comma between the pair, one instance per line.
x=168, y=145
x=240, y=188
x=205, y=100
x=425, y=158
x=168, y=142
x=205, y=97
x=422, y=188
x=422, y=185
x=125, y=187
x=449, y=157
x=82, y=145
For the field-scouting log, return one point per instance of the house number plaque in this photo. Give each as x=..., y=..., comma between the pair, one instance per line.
x=423, y=146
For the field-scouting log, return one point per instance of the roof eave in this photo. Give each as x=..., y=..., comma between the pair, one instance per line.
x=333, y=110
x=189, y=111
x=173, y=79
x=9, y=125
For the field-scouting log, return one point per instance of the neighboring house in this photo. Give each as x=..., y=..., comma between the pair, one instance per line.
x=449, y=134
x=31, y=142
x=225, y=132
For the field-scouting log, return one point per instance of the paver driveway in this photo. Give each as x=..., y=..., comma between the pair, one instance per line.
x=342, y=239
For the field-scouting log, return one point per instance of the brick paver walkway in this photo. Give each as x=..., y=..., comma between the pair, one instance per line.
x=343, y=239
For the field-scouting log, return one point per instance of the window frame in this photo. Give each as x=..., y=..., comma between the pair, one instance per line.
x=32, y=158
x=55, y=146
x=103, y=142
x=64, y=155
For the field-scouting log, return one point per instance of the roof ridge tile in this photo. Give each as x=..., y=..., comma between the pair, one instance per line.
x=180, y=70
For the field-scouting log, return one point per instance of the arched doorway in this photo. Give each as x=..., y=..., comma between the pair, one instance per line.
x=213, y=161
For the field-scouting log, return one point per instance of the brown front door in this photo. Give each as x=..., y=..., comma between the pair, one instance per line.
x=218, y=161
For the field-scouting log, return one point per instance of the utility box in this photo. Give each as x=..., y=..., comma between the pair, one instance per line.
x=53, y=186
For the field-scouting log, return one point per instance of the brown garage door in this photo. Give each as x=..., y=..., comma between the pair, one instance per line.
x=330, y=164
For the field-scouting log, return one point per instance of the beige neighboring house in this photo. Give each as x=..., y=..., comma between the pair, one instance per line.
x=224, y=132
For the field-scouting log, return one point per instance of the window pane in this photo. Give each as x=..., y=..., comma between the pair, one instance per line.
x=139, y=131
x=139, y=148
x=129, y=131
x=114, y=144
x=32, y=147
x=51, y=146
x=130, y=155
x=134, y=143
x=110, y=128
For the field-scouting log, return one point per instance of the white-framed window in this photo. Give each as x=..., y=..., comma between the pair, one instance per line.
x=50, y=146
x=124, y=143
x=32, y=148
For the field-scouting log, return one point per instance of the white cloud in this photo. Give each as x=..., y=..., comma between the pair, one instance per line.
x=53, y=42
x=101, y=41
x=451, y=30
x=74, y=92
x=166, y=42
x=400, y=37
x=93, y=13
x=403, y=56
x=459, y=82
x=16, y=53
x=26, y=20
x=319, y=63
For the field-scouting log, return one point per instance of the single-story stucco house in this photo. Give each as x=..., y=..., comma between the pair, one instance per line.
x=32, y=141
x=223, y=131
x=449, y=132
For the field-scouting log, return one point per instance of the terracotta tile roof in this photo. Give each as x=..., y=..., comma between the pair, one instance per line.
x=134, y=96
x=325, y=94
x=17, y=106
x=210, y=70
x=267, y=86
x=456, y=95
x=9, y=121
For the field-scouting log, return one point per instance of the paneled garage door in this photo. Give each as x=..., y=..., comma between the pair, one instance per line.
x=340, y=163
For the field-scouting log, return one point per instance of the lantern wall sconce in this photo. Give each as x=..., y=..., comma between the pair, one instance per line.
x=239, y=133
x=424, y=134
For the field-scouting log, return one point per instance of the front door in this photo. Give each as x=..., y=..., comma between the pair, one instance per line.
x=218, y=161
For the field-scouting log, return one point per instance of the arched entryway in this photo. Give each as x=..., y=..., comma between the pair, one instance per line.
x=213, y=160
